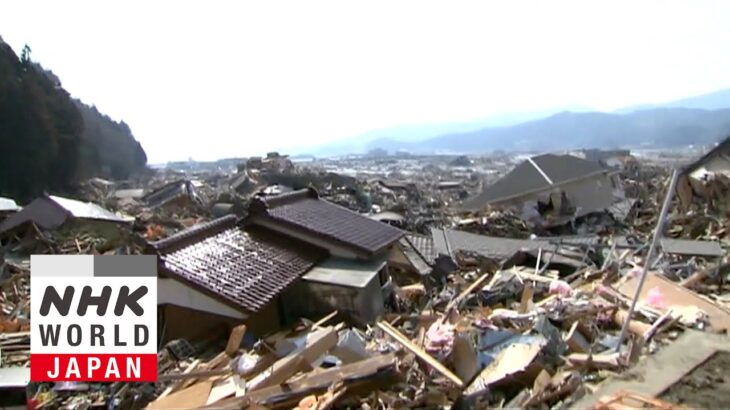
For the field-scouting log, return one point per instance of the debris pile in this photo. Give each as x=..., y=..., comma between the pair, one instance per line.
x=488, y=310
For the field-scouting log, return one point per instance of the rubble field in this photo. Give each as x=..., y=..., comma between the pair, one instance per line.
x=398, y=283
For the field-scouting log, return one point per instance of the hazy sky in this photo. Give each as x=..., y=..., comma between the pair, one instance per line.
x=230, y=78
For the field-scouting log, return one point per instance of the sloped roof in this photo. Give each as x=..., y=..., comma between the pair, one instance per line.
x=423, y=244
x=303, y=210
x=49, y=212
x=720, y=153
x=418, y=249
x=445, y=240
x=8, y=205
x=534, y=175
x=170, y=192
x=246, y=269
x=86, y=210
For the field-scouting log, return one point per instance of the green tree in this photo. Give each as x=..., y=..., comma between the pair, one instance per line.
x=25, y=55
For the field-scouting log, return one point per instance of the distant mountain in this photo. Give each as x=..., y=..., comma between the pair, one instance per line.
x=568, y=130
x=420, y=132
x=698, y=119
x=713, y=101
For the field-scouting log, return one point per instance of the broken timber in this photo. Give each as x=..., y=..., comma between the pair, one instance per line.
x=400, y=338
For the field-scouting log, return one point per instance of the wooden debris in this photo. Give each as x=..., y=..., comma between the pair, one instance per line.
x=576, y=341
x=611, y=361
x=526, y=304
x=676, y=295
x=395, y=334
x=234, y=341
x=193, y=397
x=636, y=327
x=624, y=400
x=318, y=343
x=324, y=320
x=179, y=383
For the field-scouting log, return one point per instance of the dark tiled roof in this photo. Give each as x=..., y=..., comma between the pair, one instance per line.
x=423, y=244
x=500, y=248
x=243, y=268
x=527, y=178
x=305, y=211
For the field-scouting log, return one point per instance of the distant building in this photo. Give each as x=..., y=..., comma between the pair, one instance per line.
x=611, y=158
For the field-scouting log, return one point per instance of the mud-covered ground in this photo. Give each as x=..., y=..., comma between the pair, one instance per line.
x=706, y=387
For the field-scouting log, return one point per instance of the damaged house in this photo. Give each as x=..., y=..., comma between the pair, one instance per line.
x=708, y=177
x=7, y=207
x=552, y=189
x=415, y=259
x=50, y=212
x=354, y=279
x=176, y=194
x=295, y=255
x=219, y=274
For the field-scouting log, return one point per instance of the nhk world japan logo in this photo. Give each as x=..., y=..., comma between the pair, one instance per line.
x=93, y=318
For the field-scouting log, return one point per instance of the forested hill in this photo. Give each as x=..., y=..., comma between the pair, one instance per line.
x=48, y=140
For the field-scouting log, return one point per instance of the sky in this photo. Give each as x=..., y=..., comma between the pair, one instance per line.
x=214, y=79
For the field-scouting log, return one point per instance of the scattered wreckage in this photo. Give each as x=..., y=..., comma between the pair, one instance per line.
x=302, y=297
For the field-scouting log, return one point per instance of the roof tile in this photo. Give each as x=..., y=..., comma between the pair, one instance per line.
x=306, y=211
x=246, y=269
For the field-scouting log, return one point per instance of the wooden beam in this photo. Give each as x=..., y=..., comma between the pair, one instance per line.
x=321, y=380
x=318, y=343
x=528, y=292
x=234, y=340
x=179, y=383
x=400, y=338
x=324, y=320
x=466, y=292
x=610, y=361
x=635, y=327
x=576, y=341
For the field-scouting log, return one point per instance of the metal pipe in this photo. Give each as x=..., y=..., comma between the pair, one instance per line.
x=658, y=232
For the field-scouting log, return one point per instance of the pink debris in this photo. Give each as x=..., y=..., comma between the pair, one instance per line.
x=655, y=298
x=560, y=287
x=440, y=337
x=635, y=272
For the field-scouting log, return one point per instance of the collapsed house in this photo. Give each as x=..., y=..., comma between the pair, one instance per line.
x=552, y=189
x=416, y=260
x=50, y=212
x=707, y=177
x=7, y=207
x=176, y=194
